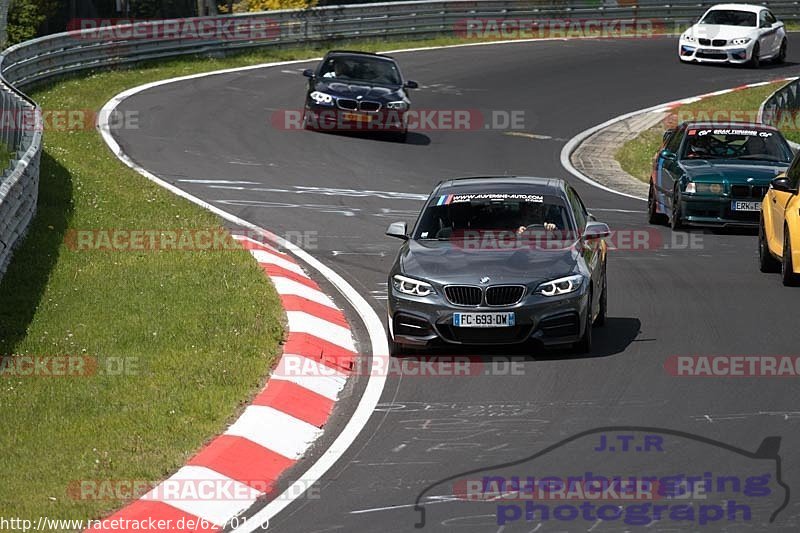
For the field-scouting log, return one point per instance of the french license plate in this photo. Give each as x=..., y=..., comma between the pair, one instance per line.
x=483, y=320
x=740, y=205
x=356, y=117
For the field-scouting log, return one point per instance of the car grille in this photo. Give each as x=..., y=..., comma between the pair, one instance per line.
x=719, y=42
x=748, y=191
x=347, y=103
x=354, y=105
x=510, y=335
x=504, y=294
x=711, y=55
x=464, y=294
x=369, y=106
x=704, y=42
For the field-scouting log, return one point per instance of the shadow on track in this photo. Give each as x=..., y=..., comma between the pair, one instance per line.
x=611, y=339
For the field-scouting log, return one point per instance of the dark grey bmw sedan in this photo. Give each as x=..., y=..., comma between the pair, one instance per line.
x=498, y=260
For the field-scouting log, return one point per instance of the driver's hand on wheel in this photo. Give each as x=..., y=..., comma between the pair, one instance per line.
x=548, y=226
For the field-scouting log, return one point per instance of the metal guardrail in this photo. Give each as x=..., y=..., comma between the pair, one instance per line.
x=781, y=106
x=53, y=56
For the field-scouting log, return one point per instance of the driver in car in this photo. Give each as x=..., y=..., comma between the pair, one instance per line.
x=533, y=214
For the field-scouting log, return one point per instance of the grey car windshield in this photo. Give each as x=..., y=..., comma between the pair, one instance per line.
x=450, y=216
x=758, y=145
x=364, y=69
x=730, y=17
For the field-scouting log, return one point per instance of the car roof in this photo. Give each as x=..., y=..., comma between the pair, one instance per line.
x=753, y=8
x=731, y=124
x=490, y=184
x=333, y=53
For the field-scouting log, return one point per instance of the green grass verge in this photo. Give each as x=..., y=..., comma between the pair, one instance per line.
x=636, y=156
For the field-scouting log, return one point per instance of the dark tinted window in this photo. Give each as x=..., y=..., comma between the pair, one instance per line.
x=450, y=215
x=736, y=143
x=794, y=172
x=353, y=68
x=769, y=18
x=577, y=208
x=674, y=143
x=730, y=17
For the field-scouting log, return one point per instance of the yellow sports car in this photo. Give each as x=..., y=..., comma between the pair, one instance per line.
x=779, y=226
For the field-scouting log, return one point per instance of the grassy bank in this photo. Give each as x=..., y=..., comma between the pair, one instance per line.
x=636, y=156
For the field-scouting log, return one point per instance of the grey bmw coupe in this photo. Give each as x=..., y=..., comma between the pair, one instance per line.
x=495, y=261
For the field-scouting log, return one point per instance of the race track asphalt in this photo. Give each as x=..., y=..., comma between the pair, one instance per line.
x=339, y=193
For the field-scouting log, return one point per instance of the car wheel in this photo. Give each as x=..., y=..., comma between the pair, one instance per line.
x=755, y=62
x=307, y=123
x=766, y=262
x=675, y=221
x=790, y=279
x=584, y=345
x=653, y=216
x=781, y=57
x=601, y=313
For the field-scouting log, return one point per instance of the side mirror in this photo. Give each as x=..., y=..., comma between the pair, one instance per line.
x=398, y=229
x=666, y=154
x=308, y=73
x=667, y=135
x=411, y=85
x=781, y=183
x=596, y=230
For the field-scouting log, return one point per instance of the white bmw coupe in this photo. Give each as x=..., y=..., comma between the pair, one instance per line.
x=734, y=33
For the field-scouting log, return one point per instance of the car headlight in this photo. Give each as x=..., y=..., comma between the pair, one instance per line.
x=742, y=40
x=321, y=98
x=688, y=37
x=399, y=105
x=704, y=188
x=560, y=286
x=411, y=286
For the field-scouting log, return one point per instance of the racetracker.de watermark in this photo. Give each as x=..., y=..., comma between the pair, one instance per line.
x=179, y=240
x=66, y=366
x=461, y=120
x=626, y=240
x=298, y=366
x=782, y=119
x=223, y=28
x=733, y=366
x=556, y=28
x=67, y=120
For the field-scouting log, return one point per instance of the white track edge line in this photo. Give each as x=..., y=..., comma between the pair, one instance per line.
x=573, y=143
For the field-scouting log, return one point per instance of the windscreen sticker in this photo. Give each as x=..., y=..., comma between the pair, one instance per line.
x=748, y=133
x=448, y=199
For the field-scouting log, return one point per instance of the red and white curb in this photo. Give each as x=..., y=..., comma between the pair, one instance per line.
x=274, y=431
x=574, y=142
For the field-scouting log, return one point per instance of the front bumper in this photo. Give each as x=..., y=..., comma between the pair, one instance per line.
x=692, y=51
x=331, y=118
x=428, y=322
x=716, y=211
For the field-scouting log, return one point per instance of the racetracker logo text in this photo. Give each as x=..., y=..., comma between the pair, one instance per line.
x=525, y=28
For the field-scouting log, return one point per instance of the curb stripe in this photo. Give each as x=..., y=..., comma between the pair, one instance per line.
x=274, y=271
x=289, y=286
x=300, y=322
x=215, y=510
x=243, y=460
x=276, y=430
x=142, y=511
x=298, y=303
x=269, y=257
x=320, y=350
x=297, y=401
